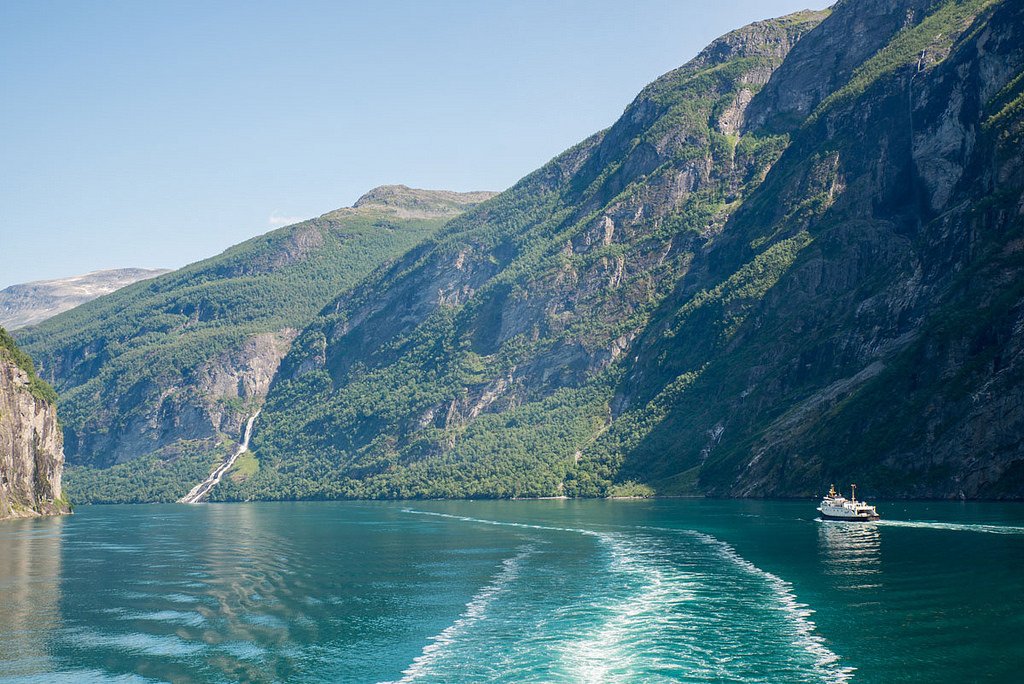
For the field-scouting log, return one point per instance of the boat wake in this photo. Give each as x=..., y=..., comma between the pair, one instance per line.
x=642, y=606
x=500, y=523
x=476, y=610
x=798, y=615
x=959, y=527
x=634, y=609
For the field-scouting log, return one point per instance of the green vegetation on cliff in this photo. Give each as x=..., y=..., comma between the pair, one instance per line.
x=39, y=388
x=484, y=364
x=160, y=477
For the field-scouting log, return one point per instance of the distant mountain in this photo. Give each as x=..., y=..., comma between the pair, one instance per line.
x=412, y=203
x=170, y=368
x=31, y=303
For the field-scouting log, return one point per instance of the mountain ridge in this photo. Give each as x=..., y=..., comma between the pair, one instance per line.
x=25, y=304
x=418, y=203
x=471, y=291
x=495, y=360
x=169, y=369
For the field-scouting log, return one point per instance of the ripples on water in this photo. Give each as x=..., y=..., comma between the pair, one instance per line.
x=351, y=592
x=851, y=553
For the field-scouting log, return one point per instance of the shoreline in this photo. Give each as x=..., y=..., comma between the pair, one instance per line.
x=557, y=498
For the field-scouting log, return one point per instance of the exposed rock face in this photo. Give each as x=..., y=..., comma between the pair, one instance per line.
x=888, y=352
x=242, y=375
x=31, y=444
x=31, y=303
x=225, y=391
x=824, y=60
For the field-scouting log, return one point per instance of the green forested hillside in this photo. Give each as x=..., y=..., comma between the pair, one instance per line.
x=791, y=261
x=794, y=260
x=484, y=363
x=185, y=357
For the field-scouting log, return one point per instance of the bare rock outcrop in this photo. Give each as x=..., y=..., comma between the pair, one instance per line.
x=31, y=443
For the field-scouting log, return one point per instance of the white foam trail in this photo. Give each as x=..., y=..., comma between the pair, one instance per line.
x=825, y=660
x=474, y=611
x=609, y=653
x=594, y=667
x=959, y=527
x=500, y=523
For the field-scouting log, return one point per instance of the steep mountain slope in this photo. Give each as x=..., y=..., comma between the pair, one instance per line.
x=173, y=366
x=889, y=350
x=31, y=303
x=31, y=454
x=794, y=259
x=483, y=360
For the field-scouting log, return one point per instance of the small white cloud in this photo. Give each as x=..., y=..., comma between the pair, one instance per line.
x=276, y=219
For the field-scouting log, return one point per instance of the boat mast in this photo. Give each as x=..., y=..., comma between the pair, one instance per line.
x=853, y=496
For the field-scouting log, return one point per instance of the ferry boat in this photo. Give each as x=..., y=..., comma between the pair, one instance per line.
x=836, y=507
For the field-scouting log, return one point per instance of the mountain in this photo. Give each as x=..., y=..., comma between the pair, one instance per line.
x=31, y=303
x=794, y=260
x=169, y=369
x=31, y=451
x=888, y=352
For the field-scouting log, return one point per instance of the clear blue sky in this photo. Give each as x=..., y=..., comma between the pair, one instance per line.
x=158, y=133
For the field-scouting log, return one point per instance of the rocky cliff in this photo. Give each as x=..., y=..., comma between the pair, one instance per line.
x=30, y=303
x=886, y=348
x=31, y=443
x=483, y=363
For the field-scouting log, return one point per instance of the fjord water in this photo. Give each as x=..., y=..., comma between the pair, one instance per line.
x=515, y=591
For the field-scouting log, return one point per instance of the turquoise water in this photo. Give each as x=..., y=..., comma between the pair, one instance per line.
x=517, y=591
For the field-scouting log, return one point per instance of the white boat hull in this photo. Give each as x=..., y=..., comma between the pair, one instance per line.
x=848, y=518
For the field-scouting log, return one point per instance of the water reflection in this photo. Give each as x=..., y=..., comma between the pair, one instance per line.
x=256, y=593
x=851, y=552
x=30, y=567
x=357, y=592
x=215, y=596
x=254, y=613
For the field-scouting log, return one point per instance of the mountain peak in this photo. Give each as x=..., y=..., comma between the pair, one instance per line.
x=418, y=203
x=767, y=38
